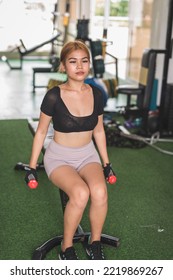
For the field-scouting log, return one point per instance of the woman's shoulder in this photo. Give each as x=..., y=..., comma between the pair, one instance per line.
x=96, y=90
x=54, y=89
x=53, y=92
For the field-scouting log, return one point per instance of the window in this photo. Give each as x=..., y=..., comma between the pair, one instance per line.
x=31, y=21
x=118, y=8
x=129, y=29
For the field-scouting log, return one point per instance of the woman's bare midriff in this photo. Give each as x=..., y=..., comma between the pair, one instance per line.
x=73, y=139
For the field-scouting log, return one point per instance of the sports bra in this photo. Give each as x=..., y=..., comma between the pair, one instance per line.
x=63, y=121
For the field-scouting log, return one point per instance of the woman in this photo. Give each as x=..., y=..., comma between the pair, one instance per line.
x=71, y=160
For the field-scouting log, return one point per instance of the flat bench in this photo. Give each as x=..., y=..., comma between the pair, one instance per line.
x=39, y=70
x=80, y=235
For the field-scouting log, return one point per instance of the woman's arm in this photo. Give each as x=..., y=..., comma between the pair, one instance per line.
x=39, y=138
x=100, y=140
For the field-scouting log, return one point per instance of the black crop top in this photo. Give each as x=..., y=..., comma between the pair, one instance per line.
x=63, y=121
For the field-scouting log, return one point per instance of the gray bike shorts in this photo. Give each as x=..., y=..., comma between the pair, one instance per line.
x=57, y=155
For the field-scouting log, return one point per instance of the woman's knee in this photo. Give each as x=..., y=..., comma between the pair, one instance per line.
x=99, y=194
x=80, y=196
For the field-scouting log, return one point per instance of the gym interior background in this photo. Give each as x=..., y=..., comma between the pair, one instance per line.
x=140, y=204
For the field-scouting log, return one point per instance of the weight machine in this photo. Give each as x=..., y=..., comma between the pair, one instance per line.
x=166, y=103
x=53, y=60
x=23, y=51
x=54, y=41
x=98, y=51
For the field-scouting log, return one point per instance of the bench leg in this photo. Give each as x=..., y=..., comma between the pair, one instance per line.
x=41, y=252
x=33, y=82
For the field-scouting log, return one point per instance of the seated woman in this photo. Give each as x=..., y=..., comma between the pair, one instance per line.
x=71, y=160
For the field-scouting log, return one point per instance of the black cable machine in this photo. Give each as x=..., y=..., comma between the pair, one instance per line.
x=166, y=103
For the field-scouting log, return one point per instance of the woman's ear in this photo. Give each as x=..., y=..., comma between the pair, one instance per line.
x=61, y=68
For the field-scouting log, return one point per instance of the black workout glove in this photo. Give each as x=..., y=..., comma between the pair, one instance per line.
x=31, y=178
x=109, y=174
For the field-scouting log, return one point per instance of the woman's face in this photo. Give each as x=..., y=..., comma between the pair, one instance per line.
x=77, y=65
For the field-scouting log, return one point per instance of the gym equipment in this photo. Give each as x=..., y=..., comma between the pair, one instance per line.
x=66, y=19
x=148, y=141
x=82, y=29
x=54, y=59
x=99, y=59
x=32, y=183
x=109, y=174
x=31, y=178
x=80, y=236
x=23, y=51
x=167, y=114
x=39, y=70
x=100, y=84
x=142, y=91
x=168, y=55
x=98, y=50
x=119, y=136
x=115, y=138
x=105, y=25
x=61, y=77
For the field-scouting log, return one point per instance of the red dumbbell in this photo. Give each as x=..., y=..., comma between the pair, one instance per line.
x=112, y=179
x=32, y=184
x=31, y=181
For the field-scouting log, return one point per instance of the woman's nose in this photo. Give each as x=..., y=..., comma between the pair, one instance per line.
x=79, y=64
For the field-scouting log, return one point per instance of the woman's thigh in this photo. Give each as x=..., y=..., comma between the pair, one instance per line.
x=68, y=179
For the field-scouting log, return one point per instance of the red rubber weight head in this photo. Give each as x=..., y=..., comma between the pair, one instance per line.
x=33, y=184
x=112, y=179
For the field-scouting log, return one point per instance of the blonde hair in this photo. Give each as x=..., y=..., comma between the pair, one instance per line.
x=70, y=47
